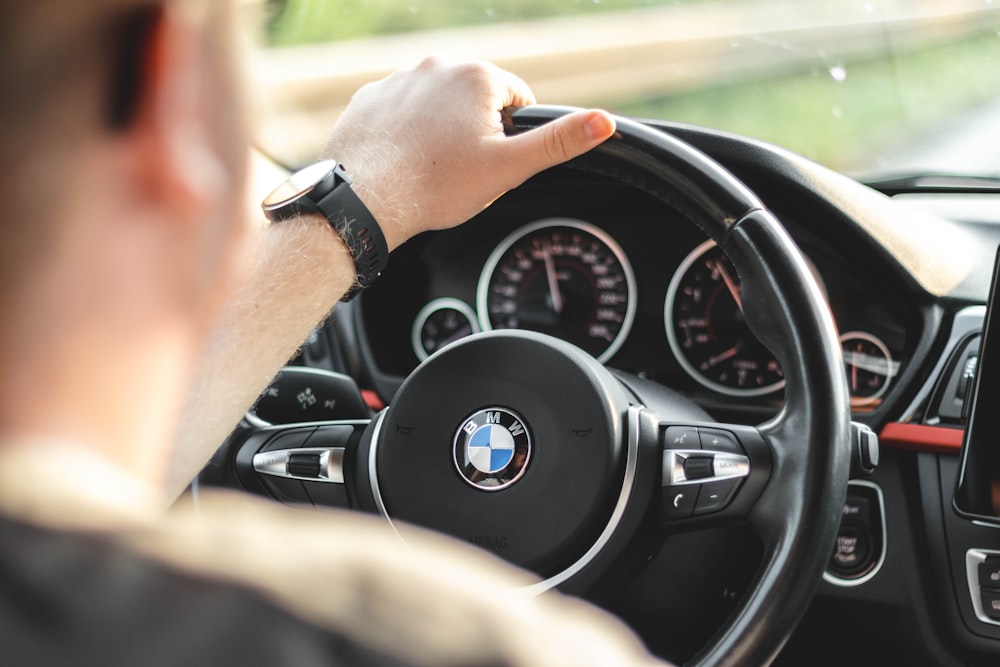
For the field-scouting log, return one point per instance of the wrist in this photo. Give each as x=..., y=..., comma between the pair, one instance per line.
x=325, y=188
x=386, y=213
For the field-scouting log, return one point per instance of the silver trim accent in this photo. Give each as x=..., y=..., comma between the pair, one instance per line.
x=848, y=583
x=429, y=309
x=725, y=465
x=298, y=184
x=967, y=321
x=482, y=290
x=631, y=463
x=373, y=473
x=973, y=557
x=275, y=463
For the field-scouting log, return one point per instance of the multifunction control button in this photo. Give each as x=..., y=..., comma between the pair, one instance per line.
x=681, y=437
x=303, y=465
x=703, y=468
x=699, y=467
x=719, y=440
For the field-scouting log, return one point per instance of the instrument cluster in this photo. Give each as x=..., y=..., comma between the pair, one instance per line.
x=640, y=294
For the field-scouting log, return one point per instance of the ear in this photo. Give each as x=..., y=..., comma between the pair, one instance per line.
x=177, y=148
x=171, y=152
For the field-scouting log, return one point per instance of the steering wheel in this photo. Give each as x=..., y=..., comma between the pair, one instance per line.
x=525, y=445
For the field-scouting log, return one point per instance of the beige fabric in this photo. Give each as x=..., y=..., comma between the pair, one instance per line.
x=430, y=600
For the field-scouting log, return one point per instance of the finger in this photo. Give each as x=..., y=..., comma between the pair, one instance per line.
x=556, y=142
x=519, y=93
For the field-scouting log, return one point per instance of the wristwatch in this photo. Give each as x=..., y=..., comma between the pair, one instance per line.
x=323, y=187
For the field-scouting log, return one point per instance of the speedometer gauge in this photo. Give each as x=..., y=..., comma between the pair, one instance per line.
x=706, y=330
x=562, y=277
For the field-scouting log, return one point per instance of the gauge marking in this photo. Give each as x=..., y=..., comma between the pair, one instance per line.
x=563, y=277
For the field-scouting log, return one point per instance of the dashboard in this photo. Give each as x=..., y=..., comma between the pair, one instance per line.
x=905, y=270
x=632, y=281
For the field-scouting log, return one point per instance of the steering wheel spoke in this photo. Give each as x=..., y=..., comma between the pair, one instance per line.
x=307, y=463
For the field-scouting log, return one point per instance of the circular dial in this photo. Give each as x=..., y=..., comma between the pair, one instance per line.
x=869, y=366
x=706, y=330
x=562, y=277
x=440, y=322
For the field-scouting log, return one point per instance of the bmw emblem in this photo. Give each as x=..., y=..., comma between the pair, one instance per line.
x=492, y=448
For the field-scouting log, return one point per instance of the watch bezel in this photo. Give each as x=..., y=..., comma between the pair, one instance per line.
x=311, y=183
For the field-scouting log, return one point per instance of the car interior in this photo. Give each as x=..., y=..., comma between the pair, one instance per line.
x=759, y=396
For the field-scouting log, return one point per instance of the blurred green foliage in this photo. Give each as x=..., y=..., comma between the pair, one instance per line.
x=294, y=22
x=847, y=114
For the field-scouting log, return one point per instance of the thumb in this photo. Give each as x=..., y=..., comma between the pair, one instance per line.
x=560, y=140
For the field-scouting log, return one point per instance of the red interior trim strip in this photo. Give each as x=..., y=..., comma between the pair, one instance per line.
x=921, y=437
x=372, y=399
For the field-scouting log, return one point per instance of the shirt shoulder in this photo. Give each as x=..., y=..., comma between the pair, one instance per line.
x=83, y=598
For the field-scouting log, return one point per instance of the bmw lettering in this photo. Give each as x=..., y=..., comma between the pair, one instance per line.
x=492, y=448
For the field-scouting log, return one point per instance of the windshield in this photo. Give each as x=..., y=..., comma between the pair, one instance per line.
x=870, y=88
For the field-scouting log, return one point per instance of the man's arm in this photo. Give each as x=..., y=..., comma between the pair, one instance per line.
x=425, y=149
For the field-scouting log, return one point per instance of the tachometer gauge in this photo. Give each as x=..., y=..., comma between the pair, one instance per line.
x=869, y=366
x=440, y=322
x=705, y=328
x=562, y=277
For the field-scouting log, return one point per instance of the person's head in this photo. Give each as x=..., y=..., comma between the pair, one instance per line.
x=122, y=150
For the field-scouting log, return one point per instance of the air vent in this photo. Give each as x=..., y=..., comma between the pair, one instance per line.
x=949, y=404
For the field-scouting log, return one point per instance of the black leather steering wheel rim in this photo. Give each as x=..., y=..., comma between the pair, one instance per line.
x=798, y=514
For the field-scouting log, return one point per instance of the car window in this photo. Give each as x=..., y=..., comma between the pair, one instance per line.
x=865, y=87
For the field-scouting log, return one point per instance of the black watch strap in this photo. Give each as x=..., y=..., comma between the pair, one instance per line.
x=355, y=224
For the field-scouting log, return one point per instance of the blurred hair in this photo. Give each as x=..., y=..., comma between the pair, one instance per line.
x=48, y=46
x=64, y=75
x=71, y=70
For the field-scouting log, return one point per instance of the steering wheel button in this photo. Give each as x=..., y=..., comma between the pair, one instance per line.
x=681, y=437
x=720, y=441
x=286, y=490
x=288, y=439
x=713, y=496
x=991, y=603
x=327, y=495
x=678, y=502
x=698, y=467
x=332, y=435
x=989, y=573
x=851, y=551
x=304, y=465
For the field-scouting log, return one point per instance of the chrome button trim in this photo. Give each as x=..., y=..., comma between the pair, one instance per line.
x=725, y=465
x=275, y=463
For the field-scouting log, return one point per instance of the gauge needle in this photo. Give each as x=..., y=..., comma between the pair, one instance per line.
x=854, y=376
x=719, y=358
x=550, y=272
x=460, y=333
x=730, y=283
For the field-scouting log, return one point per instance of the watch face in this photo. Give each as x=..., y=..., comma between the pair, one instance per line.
x=298, y=184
